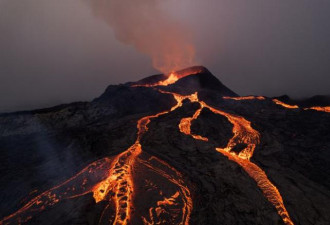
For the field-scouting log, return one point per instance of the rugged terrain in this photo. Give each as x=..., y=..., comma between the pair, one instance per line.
x=129, y=157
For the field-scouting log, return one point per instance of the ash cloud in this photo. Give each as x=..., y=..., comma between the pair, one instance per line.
x=60, y=51
x=152, y=31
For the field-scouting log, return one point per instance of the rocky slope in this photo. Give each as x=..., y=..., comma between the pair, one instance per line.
x=43, y=148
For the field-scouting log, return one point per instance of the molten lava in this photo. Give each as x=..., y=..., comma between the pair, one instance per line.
x=320, y=108
x=245, y=98
x=185, y=125
x=278, y=102
x=316, y=108
x=105, y=176
x=243, y=133
x=172, y=78
x=114, y=180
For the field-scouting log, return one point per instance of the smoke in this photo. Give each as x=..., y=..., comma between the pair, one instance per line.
x=152, y=31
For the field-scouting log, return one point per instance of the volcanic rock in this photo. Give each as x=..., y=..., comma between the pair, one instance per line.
x=43, y=148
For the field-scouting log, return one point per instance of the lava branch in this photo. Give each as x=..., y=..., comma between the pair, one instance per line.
x=243, y=133
x=278, y=102
x=316, y=108
x=251, y=97
x=185, y=125
x=319, y=108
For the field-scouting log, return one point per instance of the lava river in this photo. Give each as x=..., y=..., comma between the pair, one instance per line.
x=141, y=188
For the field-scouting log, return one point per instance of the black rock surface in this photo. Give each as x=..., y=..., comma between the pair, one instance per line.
x=42, y=148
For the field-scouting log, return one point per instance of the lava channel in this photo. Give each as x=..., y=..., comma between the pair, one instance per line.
x=243, y=133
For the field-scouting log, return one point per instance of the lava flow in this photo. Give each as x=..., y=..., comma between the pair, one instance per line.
x=278, y=102
x=243, y=133
x=316, y=108
x=320, y=108
x=245, y=98
x=115, y=180
x=110, y=176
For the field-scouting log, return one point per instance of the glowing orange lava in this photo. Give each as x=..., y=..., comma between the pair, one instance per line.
x=78, y=185
x=245, y=98
x=115, y=175
x=278, y=102
x=320, y=108
x=185, y=125
x=243, y=133
x=172, y=78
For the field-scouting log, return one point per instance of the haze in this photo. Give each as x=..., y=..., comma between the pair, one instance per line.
x=54, y=52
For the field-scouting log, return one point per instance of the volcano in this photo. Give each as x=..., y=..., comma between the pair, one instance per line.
x=169, y=149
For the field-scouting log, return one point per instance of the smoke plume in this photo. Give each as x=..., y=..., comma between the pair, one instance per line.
x=144, y=25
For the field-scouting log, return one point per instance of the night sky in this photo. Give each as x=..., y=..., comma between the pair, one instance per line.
x=54, y=52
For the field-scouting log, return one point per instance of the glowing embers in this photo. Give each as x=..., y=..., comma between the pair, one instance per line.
x=245, y=98
x=320, y=108
x=278, y=102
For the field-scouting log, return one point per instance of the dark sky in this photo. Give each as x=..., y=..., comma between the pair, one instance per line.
x=54, y=52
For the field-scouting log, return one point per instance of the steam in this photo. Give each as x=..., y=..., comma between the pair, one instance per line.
x=142, y=24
